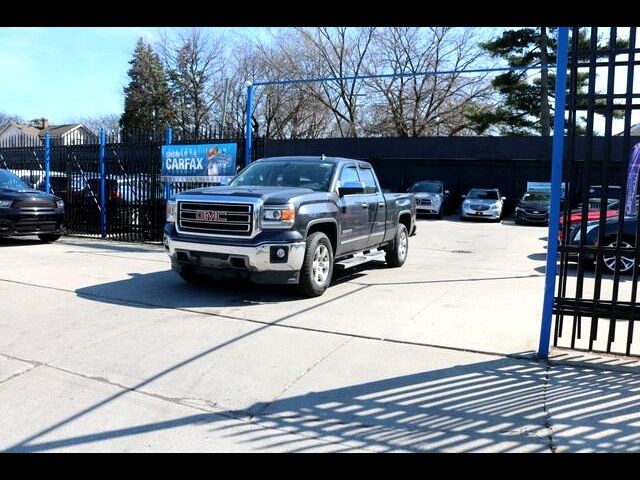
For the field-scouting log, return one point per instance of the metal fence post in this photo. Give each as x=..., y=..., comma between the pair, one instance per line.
x=556, y=192
x=103, y=173
x=167, y=184
x=248, y=135
x=47, y=162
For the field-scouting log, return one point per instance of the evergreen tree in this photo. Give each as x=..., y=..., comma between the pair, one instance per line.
x=525, y=107
x=147, y=104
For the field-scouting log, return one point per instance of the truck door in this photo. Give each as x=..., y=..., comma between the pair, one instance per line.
x=354, y=215
x=377, y=205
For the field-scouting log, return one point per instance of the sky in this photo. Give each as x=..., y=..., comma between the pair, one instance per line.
x=67, y=73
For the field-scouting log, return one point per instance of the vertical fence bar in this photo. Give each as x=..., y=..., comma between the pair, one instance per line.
x=103, y=174
x=556, y=192
x=248, y=133
x=167, y=184
x=47, y=162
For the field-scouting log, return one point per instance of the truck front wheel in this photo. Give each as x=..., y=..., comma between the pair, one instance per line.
x=317, y=268
x=396, y=254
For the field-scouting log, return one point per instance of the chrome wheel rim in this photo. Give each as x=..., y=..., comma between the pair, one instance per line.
x=625, y=263
x=321, y=264
x=402, y=247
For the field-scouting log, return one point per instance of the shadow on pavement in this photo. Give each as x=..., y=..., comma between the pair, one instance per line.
x=19, y=241
x=503, y=405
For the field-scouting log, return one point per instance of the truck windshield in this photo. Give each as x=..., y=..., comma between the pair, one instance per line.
x=313, y=175
x=427, y=187
x=11, y=182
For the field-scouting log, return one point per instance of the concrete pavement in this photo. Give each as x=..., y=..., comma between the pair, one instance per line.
x=103, y=349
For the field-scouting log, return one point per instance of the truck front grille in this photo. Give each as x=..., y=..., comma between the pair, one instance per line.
x=217, y=218
x=35, y=206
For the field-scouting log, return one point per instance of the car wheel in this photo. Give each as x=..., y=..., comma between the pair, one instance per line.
x=397, y=253
x=625, y=264
x=317, y=268
x=48, y=237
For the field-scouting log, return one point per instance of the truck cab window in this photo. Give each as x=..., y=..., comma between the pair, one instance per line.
x=349, y=174
x=369, y=180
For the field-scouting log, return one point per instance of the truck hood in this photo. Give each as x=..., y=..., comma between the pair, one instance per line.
x=26, y=194
x=269, y=195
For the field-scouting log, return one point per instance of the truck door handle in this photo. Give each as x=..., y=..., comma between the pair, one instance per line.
x=381, y=204
x=365, y=205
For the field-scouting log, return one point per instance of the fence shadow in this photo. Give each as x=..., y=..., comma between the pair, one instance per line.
x=503, y=405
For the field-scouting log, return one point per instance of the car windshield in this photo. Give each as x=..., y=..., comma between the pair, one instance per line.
x=426, y=187
x=313, y=175
x=613, y=191
x=483, y=195
x=536, y=197
x=11, y=182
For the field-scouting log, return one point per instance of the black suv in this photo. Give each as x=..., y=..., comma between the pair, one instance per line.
x=25, y=211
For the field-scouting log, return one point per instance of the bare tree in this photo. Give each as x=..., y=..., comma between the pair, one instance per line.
x=6, y=117
x=417, y=105
x=193, y=57
x=110, y=122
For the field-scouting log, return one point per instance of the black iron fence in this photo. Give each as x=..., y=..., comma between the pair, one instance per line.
x=595, y=304
x=132, y=207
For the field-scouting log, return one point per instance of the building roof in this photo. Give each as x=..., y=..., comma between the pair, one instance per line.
x=21, y=127
x=58, y=130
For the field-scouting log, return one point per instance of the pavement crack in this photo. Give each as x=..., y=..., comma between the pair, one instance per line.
x=266, y=405
x=547, y=422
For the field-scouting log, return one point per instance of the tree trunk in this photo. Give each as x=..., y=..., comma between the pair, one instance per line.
x=545, y=114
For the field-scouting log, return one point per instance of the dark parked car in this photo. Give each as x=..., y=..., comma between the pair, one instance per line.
x=26, y=211
x=533, y=207
x=431, y=197
x=608, y=239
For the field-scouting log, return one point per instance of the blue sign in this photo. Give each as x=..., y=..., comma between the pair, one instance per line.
x=213, y=162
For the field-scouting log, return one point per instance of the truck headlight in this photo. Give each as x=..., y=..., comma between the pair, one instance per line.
x=60, y=203
x=5, y=203
x=171, y=211
x=280, y=216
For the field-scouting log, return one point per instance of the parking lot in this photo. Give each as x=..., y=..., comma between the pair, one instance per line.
x=103, y=348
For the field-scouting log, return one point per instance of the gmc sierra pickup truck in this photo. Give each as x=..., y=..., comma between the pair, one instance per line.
x=289, y=220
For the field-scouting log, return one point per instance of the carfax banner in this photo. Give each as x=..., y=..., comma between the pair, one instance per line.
x=212, y=162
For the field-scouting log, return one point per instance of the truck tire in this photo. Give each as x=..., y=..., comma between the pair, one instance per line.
x=396, y=254
x=317, y=268
x=48, y=237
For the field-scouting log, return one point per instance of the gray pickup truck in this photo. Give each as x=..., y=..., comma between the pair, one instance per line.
x=289, y=220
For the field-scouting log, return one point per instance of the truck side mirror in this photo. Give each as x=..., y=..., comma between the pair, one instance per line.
x=504, y=198
x=447, y=192
x=463, y=196
x=351, y=188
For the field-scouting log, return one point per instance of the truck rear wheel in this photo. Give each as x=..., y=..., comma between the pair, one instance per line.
x=317, y=268
x=397, y=253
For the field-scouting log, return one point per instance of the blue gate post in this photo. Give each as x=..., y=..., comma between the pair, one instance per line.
x=167, y=184
x=47, y=162
x=247, y=144
x=556, y=192
x=103, y=193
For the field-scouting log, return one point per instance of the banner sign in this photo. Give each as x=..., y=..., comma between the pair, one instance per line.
x=212, y=162
x=543, y=187
x=632, y=181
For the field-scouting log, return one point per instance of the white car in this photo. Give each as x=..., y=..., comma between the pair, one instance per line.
x=482, y=203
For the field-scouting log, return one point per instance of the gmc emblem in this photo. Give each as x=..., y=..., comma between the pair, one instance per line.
x=208, y=216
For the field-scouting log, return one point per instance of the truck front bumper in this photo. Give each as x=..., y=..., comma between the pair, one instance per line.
x=261, y=263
